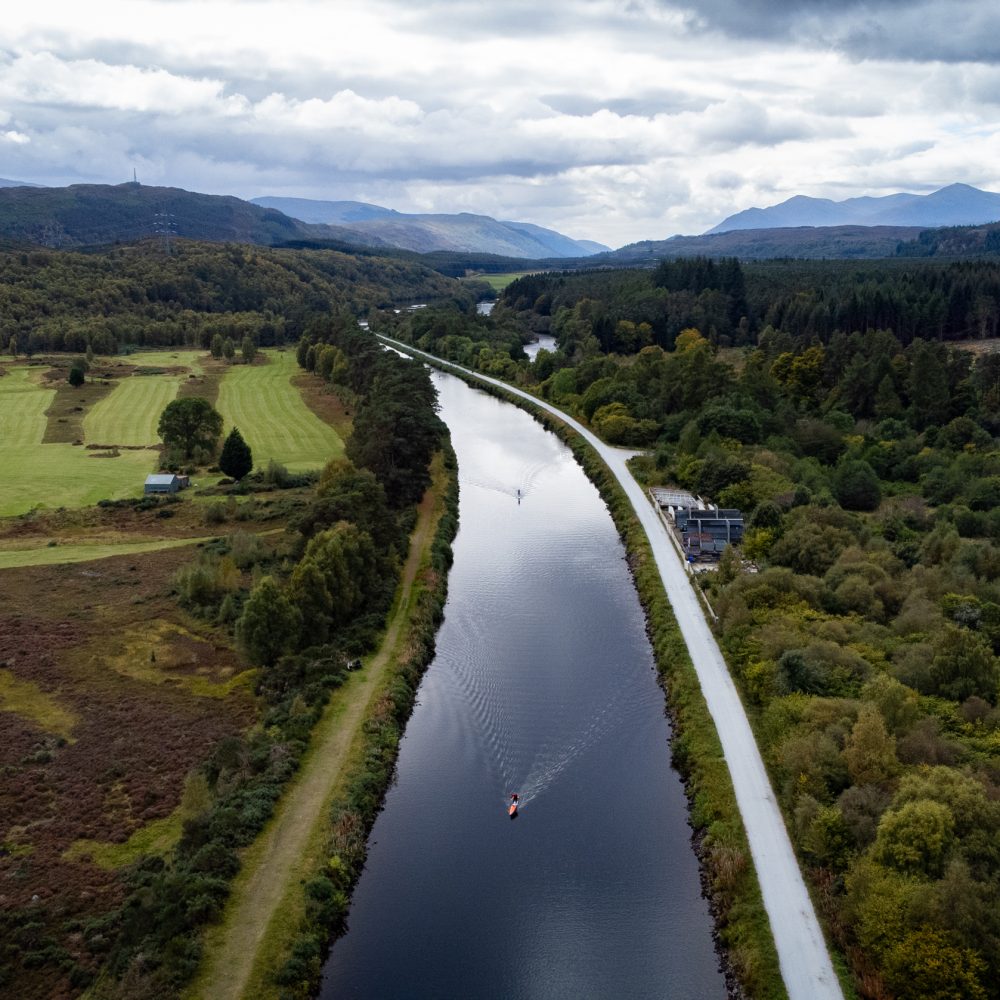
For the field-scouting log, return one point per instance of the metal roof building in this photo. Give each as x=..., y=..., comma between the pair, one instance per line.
x=163, y=482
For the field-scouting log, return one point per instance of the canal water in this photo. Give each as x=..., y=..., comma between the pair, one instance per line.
x=543, y=684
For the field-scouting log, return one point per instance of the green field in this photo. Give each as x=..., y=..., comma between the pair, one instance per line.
x=22, y=408
x=64, y=475
x=56, y=475
x=269, y=411
x=259, y=399
x=130, y=414
x=500, y=281
x=167, y=359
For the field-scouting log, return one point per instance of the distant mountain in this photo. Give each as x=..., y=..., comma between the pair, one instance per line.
x=326, y=212
x=5, y=182
x=758, y=244
x=463, y=233
x=955, y=205
x=98, y=214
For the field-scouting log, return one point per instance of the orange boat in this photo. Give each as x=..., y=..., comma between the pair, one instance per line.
x=512, y=810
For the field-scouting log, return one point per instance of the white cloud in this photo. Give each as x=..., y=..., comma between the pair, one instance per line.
x=607, y=120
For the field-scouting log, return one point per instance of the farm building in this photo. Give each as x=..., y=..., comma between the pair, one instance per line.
x=164, y=482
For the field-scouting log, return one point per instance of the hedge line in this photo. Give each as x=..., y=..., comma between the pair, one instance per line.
x=328, y=891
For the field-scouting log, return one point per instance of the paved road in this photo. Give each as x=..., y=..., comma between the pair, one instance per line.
x=802, y=952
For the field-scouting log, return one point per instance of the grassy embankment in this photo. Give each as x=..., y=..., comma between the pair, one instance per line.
x=263, y=403
x=728, y=872
x=269, y=915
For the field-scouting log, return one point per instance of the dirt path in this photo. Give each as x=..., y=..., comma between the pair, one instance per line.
x=802, y=953
x=283, y=854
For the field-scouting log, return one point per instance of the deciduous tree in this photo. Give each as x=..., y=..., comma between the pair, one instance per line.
x=190, y=423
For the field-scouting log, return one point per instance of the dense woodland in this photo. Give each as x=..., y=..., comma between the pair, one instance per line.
x=142, y=296
x=866, y=645
x=732, y=304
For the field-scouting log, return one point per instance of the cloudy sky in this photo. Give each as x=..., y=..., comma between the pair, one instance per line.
x=614, y=120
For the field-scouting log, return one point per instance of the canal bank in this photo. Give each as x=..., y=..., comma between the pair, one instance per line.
x=731, y=792
x=544, y=683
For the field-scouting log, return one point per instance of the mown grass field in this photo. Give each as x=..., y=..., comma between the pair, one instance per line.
x=22, y=407
x=130, y=414
x=167, y=359
x=54, y=475
x=500, y=281
x=64, y=475
x=269, y=411
x=259, y=399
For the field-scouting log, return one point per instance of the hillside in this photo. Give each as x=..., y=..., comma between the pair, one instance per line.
x=426, y=233
x=815, y=242
x=955, y=205
x=138, y=295
x=100, y=214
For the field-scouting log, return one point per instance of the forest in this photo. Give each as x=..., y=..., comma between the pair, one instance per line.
x=731, y=304
x=861, y=617
x=142, y=296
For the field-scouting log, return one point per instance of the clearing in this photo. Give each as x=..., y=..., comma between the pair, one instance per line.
x=269, y=410
x=499, y=282
x=267, y=897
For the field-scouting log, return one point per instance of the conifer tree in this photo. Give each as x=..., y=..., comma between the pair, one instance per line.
x=236, y=459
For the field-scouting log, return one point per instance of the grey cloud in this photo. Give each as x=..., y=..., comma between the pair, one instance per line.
x=646, y=105
x=899, y=30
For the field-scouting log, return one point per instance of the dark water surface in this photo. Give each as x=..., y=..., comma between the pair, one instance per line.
x=543, y=684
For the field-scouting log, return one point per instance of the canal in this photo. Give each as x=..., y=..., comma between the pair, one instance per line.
x=543, y=684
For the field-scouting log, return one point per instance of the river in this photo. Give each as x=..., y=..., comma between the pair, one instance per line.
x=544, y=684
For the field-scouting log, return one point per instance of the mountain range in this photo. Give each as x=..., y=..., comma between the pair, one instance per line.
x=86, y=215
x=954, y=205
x=426, y=233
x=97, y=214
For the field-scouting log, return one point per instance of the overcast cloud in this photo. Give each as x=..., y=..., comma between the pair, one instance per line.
x=615, y=120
